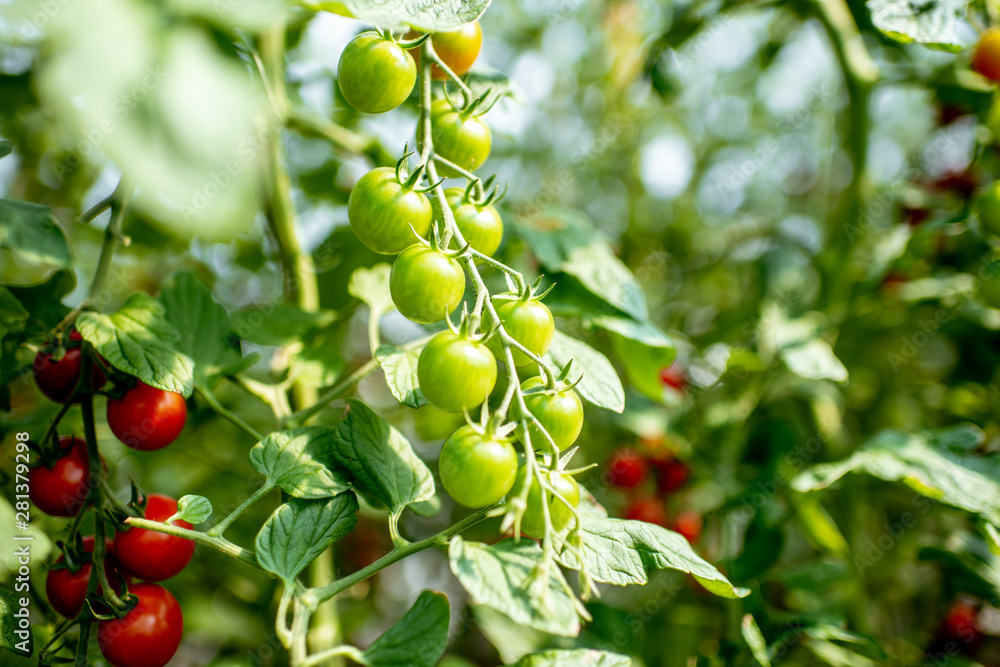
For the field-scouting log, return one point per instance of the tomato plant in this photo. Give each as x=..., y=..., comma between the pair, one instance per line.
x=153, y=556
x=479, y=222
x=559, y=497
x=530, y=323
x=147, y=418
x=626, y=468
x=460, y=137
x=456, y=372
x=66, y=586
x=61, y=487
x=386, y=212
x=558, y=410
x=426, y=284
x=375, y=74
x=58, y=378
x=477, y=470
x=458, y=49
x=148, y=635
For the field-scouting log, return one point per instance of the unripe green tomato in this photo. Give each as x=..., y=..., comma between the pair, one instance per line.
x=465, y=141
x=990, y=289
x=477, y=470
x=529, y=323
x=481, y=226
x=455, y=372
x=533, y=521
x=560, y=413
x=375, y=74
x=989, y=209
x=426, y=285
x=381, y=211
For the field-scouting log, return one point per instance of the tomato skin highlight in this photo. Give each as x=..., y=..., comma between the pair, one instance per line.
x=67, y=590
x=627, y=469
x=426, y=285
x=528, y=322
x=62, y=489
x=147, y=418
x=481, y=226
x=459, y=138
x=149, y=555
x=58, y=379
x=560, y=413
x=458, y=49
x=375, y=75
x=148, y=635
x=381, y=211
x=533, y=521
x=456, y=373
x=477, y=470
x=986, y=58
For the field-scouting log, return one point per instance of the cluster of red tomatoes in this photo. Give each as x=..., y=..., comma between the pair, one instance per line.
x=457, y=369
x=143, y=418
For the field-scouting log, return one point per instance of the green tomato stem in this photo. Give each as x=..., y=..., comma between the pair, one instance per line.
x=217, y=543
x=226, y=414
x=218, y=529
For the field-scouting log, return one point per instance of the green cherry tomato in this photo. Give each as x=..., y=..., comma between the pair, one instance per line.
x=481, y=226
x=989, y=209
x=381, y=211
x=559, y=412
x=455, y=372
x=533, y=521
x=463, y=139
x=375, y=74
x=457, y=48
x=426, y=285
x=477, y=470
x=529, y=323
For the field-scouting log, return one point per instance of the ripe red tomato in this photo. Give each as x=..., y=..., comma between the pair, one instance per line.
x=671, y=475
x=986, y=59
x=58, y=379
x=649, y=510
x=62, y=489
x=147, y=418
x=688, y=524
x=148, y=635
x=626, y=468
x=961, y=627
x=66, y=590
x=457, y=48
x=673, y=376
x=151, y=556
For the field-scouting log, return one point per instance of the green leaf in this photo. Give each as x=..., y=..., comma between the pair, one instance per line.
x=44, y=300
x=577, y=658
x=600, y=385
x=371, y=285
x=565, y=241
x=294, y=460
x=193, y=509
x=425, y=15
x=400, y=367
x=10, y=626
x=968, y=481
x=319, y=362
x=418, y=639
x=623, y=552
x=482, y=79
x=755, y=640
x=302, y=529
x=933, y=23
x=497, y=576
x=643, y=349
x=5, y=148
x=202, y=324
x=138, y=340
x=837, y=656
x=280, y=324
x=814, y=360
x=13, y=316
x=380, y=460
x=31, y=231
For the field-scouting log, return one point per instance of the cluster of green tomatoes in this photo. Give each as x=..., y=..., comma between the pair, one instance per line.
x=457, y=369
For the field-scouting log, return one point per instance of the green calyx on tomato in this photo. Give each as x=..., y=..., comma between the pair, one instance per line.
x=426, y=284
x=459, y=136
x=475, y=216
x=558, y=409
x=528, y=321
x=456, y=371
x=477, y=469
x=560, y=514
x=387, y=211
x=375, y=73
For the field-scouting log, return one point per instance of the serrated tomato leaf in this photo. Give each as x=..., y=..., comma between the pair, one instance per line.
x=600, y=384
x=296, y=460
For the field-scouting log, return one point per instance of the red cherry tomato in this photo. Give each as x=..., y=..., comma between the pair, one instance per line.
x=986, y=59
x=960, y=627
x=147, y=418
x=57, y=379
x=671, y=475
x=62, y=489
x=649, y=510
x=148, y=635
x=688, y=524
x=152, y=556
x=673, y=376
x=66, y=590
x=626, y=468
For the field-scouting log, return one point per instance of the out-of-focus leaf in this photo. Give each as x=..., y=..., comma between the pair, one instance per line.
x=137, y=339
x=418, y=639
x=400, y=367
x=426, y=15
x=497, y=576
x=5, y=148
x=44, y=300
x=31, y=231
x=755, y=640
x=574, y=658
x=10, y=611
x=600, y=384
x=295, y=460
x=814, y=360
x=279, y=324
x=482, y=79
x=13, y=316
x=643, y=349
x=933, y=24
x=371, y=285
